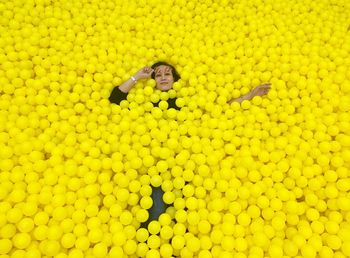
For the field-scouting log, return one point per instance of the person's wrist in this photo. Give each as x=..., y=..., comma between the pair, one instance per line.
x=134, y=80
x=251, y=95
x=136, y=77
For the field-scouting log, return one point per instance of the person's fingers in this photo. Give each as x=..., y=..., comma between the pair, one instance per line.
x=265, y=87
x=262, y=91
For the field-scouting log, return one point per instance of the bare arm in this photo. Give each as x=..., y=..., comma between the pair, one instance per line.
x=141, y=74
x=127, y=85
x=258, y=91
x=247, y=96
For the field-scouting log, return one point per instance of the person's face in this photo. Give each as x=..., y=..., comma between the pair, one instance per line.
x=164, y=77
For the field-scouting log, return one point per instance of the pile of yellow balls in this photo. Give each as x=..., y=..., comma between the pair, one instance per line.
x=269, y=177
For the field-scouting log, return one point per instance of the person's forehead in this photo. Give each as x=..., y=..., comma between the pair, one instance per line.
x=163, y=68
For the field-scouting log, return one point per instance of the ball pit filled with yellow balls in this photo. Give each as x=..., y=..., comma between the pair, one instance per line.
x=268, y=177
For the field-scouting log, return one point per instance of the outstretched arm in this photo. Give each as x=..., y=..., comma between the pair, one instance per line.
x=120, y=93
x=141, y=74
x=258, y=91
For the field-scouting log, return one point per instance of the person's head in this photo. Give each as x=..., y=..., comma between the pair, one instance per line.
x=165, y=75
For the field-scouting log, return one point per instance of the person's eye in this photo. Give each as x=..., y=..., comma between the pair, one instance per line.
x=158, y=75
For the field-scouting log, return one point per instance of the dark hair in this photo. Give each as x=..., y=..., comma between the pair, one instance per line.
x=174, y=72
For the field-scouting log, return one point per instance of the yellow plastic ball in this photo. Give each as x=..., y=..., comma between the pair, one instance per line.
x=334, y=242
x=68, y=240
x=166, y=250
x=95, y=235
x=126, y=217
x=278, y=223
x=5, y=246
x=193, y=244
x=146, y=202
x=21, y=240
x=100, y=250
x=154, y=227
x=166, y=232
x=204, y=227
x=178, y=242
x=130, y=247
x=153, y=241
x=275, y=251
x=82, y=243
x=25, y=225
x=244, y=219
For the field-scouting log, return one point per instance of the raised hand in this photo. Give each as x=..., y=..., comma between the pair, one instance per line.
x=257, y=91
x=261, y=90
x=144, y=73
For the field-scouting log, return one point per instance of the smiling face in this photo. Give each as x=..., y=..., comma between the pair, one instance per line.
x=164, y=77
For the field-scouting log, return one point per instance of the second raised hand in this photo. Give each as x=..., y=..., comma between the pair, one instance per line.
x=261, y=90
x=144, y=73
